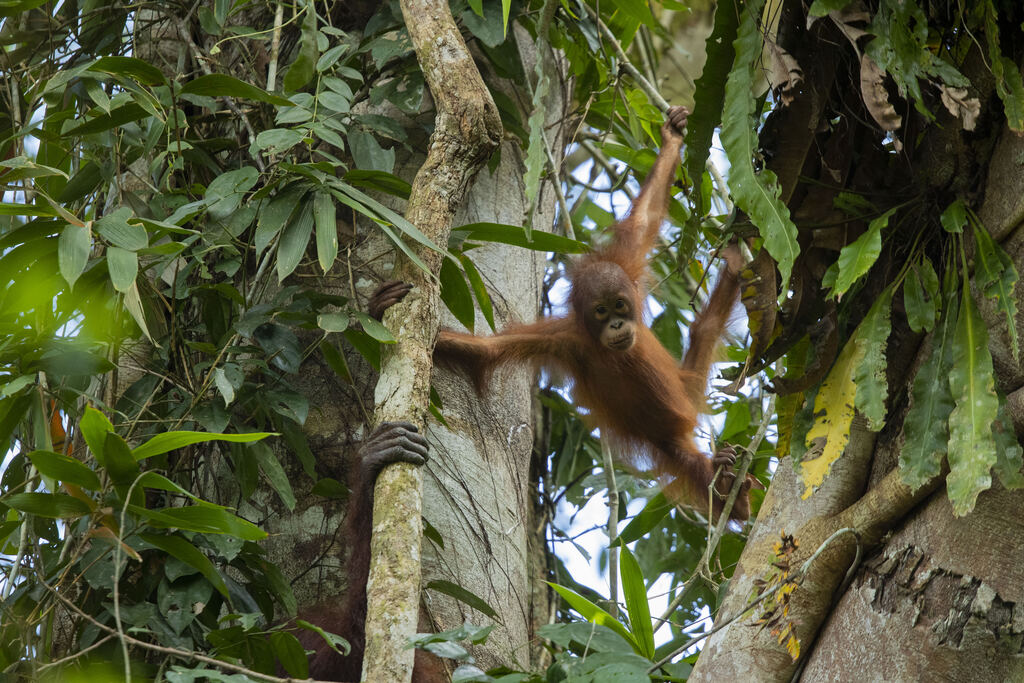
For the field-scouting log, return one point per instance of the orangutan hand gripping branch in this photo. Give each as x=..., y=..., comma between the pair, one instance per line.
x=633, y=388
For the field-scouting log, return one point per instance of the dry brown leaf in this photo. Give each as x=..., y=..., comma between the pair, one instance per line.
x=872, y=88
x=959, y=105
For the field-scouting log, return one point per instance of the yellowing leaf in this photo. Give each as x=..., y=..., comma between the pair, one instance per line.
x=833, y=410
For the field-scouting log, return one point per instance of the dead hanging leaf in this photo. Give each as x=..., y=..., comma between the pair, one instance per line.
x=959, y=105
x=872, y=88
x=785, y=74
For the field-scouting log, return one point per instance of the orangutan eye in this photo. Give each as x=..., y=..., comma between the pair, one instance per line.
x=620, y=305
x=601, y=311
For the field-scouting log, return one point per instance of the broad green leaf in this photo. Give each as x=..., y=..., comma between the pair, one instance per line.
x=462, y=595
x=653, y=512
x=290, y=653
x=856, y=259
x=514, y=235
x=1009, y=454
x=833, y=411
x=920, y=296
x=222, y=85
x=995, y=275
x=709, y=94
x=294, y=241
x=169, y=441
x=227, y=391
x=133, y=303
x=94, y=426
x=304, y=67
x=114, y=228
x=52, y=505
x=368, y=154
x=103, y=121
x=872, y=337
x=118, y=460
x=123, y=266
x=972, y=448
x=374, y=328
x=129, y=67
x=378, y=180
x=73, y=248
x=755, y=193
x=1009, y=84
x=200, y=518
x=594, y=614
x=275, y=214
x=635, y=592
x=954, y=216
x=326, y=230
x=275, y=474
x=926, y=426
x=476, y=282
x=64, y=468
x=178, y=547
x=332, y=322
x=456, y=295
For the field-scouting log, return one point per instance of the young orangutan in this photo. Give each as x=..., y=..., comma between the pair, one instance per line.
x=633, y=388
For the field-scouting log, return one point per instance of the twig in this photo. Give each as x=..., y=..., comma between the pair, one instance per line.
x=613, y=528
x=275, y=46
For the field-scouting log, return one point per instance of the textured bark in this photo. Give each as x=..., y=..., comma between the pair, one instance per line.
x=467, y=130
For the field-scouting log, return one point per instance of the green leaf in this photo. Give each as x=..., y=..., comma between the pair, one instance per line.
x=64, y=468
x=514, y=235
x=926, y=426
x=222, y=85
x=129, y=67
x=1009, y=454
x=378, y=180
x=954, y=217
x=1009, y=84
x=972, y=448
x=872, y=338
x=374, y=328
x=326, y=230
x=94, y=426
x=303, y=68
x=594, y=614
x=368, y=154
x=920, y=296
x=133, y=303
x=462, y=595
x=275, y=474
x=755, y=193
x=274, y=215
x=709, y=94
x=456, y=295
x=820, y=8
x=476, y=282
x=856, y=259
x=73, y=248
x=104, y=121
x=52, y=505
x=123, y=266
x=181, y=549
x=654, y=511
x=169, y=441
x=995, y=275
x=294, y=240
x=200, y=518
x=118, y=460
x=115, y=229
x=290, y=653
x=332, y=322
x=635, y=592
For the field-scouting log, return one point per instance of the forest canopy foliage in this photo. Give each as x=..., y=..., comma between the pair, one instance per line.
x=176, y=232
